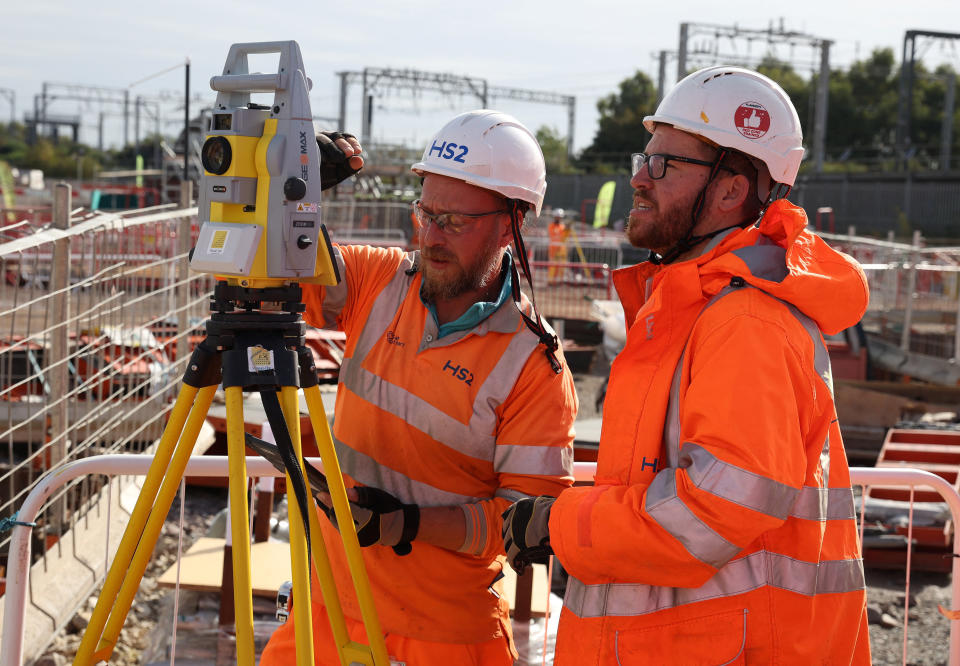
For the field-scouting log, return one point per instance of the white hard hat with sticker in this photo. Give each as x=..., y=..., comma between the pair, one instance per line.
x=489, y=149
x=740, y=109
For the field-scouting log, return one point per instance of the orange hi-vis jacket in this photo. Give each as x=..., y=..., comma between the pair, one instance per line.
x=721, y=529
x=476, y=419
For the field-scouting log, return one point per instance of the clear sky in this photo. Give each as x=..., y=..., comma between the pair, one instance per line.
x=572, y=48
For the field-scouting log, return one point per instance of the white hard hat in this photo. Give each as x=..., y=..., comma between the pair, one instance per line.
x=740, y=109
x=559, y=212
x=491, y=150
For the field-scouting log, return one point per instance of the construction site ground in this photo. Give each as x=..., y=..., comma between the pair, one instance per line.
x=146, y=637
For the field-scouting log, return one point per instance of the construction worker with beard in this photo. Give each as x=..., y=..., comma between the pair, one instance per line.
x=721, y=526
x=454, y=401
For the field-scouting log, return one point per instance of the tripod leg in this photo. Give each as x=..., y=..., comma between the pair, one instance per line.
x=239, y=526
x=361, y=583
x=299, y=561
x=190, y=402
x=159, y=506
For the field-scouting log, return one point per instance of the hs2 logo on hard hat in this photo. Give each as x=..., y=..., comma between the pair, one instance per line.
x=752, y=120
x=449, y=150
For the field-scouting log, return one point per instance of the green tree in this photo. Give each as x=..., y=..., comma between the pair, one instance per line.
x=554, y=149
x=621, y=129
x=862, y=114
x=929, y=102
x=797, y=88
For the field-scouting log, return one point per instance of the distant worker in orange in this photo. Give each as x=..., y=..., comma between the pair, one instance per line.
x=721, y=527
x=454, y=401
x=559, y=232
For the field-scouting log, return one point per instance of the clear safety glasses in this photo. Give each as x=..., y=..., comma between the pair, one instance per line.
x=451, y=224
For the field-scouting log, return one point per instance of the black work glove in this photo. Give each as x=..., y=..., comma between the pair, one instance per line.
x=335, y=165
x=380, y=518
x=526, y=534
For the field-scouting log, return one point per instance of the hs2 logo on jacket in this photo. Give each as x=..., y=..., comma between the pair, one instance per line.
x=459, y=372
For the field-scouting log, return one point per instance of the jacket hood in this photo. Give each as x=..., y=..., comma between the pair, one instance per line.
x=788, y=262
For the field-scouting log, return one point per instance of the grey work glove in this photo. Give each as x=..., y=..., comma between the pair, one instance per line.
x=379, y=518
x=336, y=165
x=526, y=534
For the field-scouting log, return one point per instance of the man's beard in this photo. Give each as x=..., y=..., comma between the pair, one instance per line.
x=660, y=234
x=473, y=277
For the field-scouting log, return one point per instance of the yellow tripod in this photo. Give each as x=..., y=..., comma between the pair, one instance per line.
x=247, y=347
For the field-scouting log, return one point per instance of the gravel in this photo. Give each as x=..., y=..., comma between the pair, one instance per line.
x=141, y=631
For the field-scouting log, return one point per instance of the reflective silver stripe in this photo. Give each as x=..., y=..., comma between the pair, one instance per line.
x=476, y=533
x=669, y=511
x=737, y=577
x=671, y=430
x=384, y=309
x=824, y=504
x=546, y=460
x=477, y=437
x=821, y=358
x=511, y=495
x=381, y=314
x=335, y=297
x=367, y=471
x=765, y=260
x=825, y=458
x=735, y=484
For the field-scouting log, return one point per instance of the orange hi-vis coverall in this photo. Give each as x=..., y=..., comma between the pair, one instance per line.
x=475, y=419
x=557, y=249
x=721, y=529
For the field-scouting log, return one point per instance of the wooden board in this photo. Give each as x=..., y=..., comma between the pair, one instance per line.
x=201, y=567
x=538, y=596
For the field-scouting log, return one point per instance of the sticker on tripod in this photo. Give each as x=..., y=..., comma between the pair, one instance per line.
x=751, y=120
x=259, y=359
x=306, y=207
x=218, y=241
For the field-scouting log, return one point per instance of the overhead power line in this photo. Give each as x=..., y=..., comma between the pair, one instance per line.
x=378, y=81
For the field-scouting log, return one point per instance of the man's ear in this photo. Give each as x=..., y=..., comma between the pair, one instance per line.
x=506, y=230
x=732, y=192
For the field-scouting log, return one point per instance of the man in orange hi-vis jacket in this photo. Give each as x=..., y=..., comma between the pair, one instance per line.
x=721, y=526
x=453, y=398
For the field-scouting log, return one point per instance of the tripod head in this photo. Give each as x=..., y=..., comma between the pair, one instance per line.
x=259, y=198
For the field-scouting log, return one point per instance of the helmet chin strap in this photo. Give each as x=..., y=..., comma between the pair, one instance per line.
x=535, y=323
x=690, y=240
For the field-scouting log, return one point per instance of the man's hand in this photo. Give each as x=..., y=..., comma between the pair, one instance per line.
x=379, y=518
x=526, y=535
x=339, y=157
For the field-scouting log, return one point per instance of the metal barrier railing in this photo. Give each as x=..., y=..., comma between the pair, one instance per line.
x=95, y=315
x=914, y=292
x=11, y=640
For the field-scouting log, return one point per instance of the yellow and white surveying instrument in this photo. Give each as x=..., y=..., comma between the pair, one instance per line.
x=261, y=235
